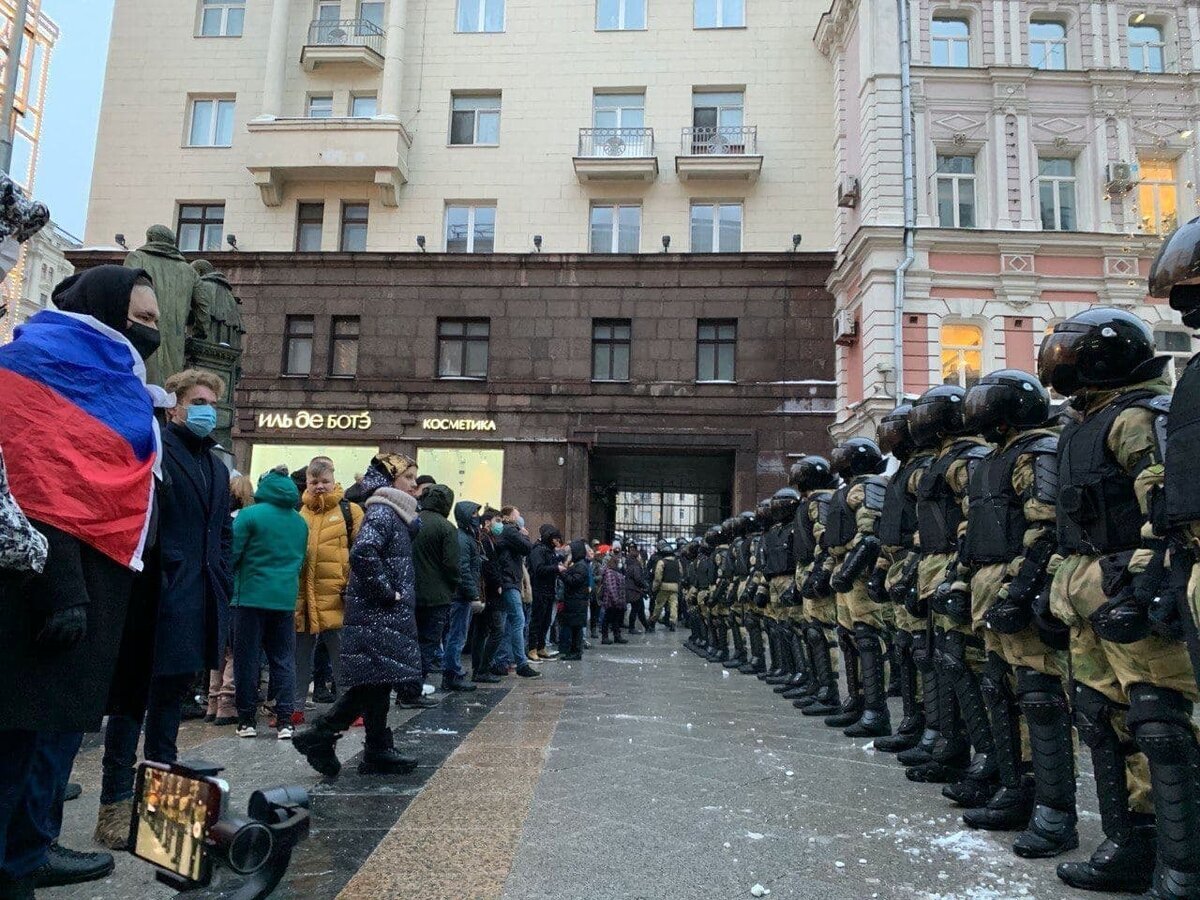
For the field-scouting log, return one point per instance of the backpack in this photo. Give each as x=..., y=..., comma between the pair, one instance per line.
x=344, y=506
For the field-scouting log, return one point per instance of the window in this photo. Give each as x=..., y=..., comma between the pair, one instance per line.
x=1176, y=344
x=475, y=120
x=1146, y=48
x=480, y=15
x=222, y=18
x=297, y=345
x=343, y=347
x=620, y=15
x=962, y=354
x=371, y=12
x=716, y=346
x=1047, y=45
x=320, y=106
x=616, y=229
x=716, y=227
x=212, y=123
x=619, y=123
x=354, y=227
x=1158, y=197
x=463, y=348
x=1056, y=194
x=363, y=106
x=956, y=191
x=310, y=220
x=470, y=229
x=610, y=349
x=718, y=109
x=950, y=43
x=328, y=11
x=720, y=13
x=201, y=226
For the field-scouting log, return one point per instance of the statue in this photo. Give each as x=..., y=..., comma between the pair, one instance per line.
x=219, y=349
x=180, y=305
x=217, y=297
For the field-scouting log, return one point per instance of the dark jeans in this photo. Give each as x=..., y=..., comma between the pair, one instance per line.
x=576, y=638
x=34, y=768
x=539, y=621
x=637, y=613
x=431, y=625
x=164, y=712
x=613, y=619
x=370, y=701
x=488, y=636
x=456, y=639
x=272, y=631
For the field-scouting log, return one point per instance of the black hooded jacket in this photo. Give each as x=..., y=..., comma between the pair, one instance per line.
x=576, y=596
x=543, y=564
x=470, y=554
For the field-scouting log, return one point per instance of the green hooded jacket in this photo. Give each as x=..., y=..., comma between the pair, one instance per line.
x=269, y=542
x=435, y=549
x=179, y=303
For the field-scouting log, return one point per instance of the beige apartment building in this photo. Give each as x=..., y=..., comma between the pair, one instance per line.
x=468, y=125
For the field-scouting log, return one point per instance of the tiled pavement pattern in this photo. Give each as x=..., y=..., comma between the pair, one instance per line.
x=641, y=772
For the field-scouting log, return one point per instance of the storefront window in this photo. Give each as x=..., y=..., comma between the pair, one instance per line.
x=349, y=460
x=472, y=474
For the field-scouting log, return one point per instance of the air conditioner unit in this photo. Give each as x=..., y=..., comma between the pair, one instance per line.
x=847, y=193
x=845, y=328
x=1119, y=178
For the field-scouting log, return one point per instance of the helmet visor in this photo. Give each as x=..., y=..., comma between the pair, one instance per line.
x=1178, y=261
x=986, y=406
x=1058, y=361
x=892, y=436
x=926, y=424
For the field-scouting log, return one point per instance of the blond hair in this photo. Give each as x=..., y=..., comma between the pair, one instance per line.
x=241, y=491
x=182, y=382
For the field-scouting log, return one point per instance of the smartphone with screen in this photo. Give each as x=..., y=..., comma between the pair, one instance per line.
x=173, y=811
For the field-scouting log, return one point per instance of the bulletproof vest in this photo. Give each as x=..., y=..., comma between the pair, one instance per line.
x=841, y=526
x=777, y=555
x=996, y=520
x=724, y=558
x=705, y=572
x=670, y=570
x=686, y=569
x=898, y=523
x=939, y=512
x=741, y=557
x=804, y=544
x=1098, y=511
x=1182, y=487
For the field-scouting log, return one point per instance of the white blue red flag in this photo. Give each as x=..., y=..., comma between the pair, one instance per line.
x=78, y=431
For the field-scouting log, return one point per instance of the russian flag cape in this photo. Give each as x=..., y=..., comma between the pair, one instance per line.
x=78, y=431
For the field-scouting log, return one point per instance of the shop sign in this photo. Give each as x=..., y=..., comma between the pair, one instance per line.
x=458, y=424
x=303, y=419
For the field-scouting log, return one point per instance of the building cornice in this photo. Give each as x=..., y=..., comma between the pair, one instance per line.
x=833, y=27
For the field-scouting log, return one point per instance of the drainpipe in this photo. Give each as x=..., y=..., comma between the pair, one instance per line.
x=910, y=193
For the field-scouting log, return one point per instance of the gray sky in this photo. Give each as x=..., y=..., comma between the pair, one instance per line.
x=64, y=172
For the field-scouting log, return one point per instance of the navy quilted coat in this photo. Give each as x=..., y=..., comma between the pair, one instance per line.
x=379, y=637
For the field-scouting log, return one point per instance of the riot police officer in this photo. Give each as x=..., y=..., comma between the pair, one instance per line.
x=1010, y=529
x=723, y=599
x=814, y=478
x=1129, y=679
x=778, y=568
x=705, y=580
x=754, y=591
x=664, y=588
x=739, y=555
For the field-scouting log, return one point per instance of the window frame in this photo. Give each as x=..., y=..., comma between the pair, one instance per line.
x=1156, y=189
x=205, y=222
x=214, y=125
x=950, y=40
x=463, y=339
x=1179, y=358
x=382, y=23
x=1160, y=45
x=622, y=15
x=1047, y=44
x=308, y=105
x=481, y=18
x=225, y=7
x=961, y=350
x=289, y=335
x=956, y=180
x=1058, y=181
x=365, y=95
x=716, y=206
x=475, y=113
x=608, y=345
x=343, y=221
x=716, y=342
x=614, y=225
x=472, y=210
x=719, y=15
x=335, y=338
x=302, y=220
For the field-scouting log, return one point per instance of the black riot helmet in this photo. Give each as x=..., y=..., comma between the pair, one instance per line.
x=1005, y=400
x=664, y=546
x=1175, y=272
x=746, y=522
x=857, y=456
x=1098, y=348
x=712, y=537
x=892, y=434
x=936, y=415
x=729, y=530
x=784, y=503
x=812, y=473
x=762, y=512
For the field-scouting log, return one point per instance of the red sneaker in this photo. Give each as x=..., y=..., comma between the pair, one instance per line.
x=358, y=723
x=297, y=718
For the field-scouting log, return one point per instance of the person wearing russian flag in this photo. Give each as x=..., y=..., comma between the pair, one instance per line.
x=83, y=451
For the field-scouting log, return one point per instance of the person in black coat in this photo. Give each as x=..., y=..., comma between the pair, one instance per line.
x=195, y=582
x=513, y=546
x=637, y=582
x=489, y=630
x=573, y=611
x=545, y=567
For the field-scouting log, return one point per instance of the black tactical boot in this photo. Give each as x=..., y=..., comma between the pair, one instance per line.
x=719, y=652
x=381, y=758
x=1161, y=721
x=931, y=696
x=756, y=663
x=951, y=752
x=826, y=699
x=876, y=721
x=739, y=658
x=981, y=778
x=908, y=735
x=892, y=656
x=852, y=707
x=781, y=666
x=1010, y=806
x=1051, y=829
x=800, y=676
x=1125, y=861
x=316, y=744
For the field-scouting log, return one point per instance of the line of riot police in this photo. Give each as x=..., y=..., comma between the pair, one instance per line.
x=1024, y=575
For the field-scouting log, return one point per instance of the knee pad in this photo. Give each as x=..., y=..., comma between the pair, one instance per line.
x=994, y=679
x=951, y=653
x=1093, y=716
x=921, y=652
x=1040, y=695
x=816, y=634
x=866, y=636
x=1161, y=722
x=903, y=639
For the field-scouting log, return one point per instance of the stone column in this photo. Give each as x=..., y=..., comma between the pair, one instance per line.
x=391, y=88
x=276, y=69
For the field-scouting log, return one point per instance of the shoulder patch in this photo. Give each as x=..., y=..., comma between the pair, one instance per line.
x=874, y=493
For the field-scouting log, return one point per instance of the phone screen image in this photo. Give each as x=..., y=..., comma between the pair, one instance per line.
x=174, y=813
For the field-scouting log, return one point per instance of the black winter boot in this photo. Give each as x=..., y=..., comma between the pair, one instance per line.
x=852, y=707
x=876, y=721
x=1010, y=806
x=757, y=661
x=826, y=700
x=316, y=744
x=931, y=701
x=951, y=752
x=980, y=780
x=908, y=735
x=739, y=657
x=1051, y=829
x=781, y=665
x=381, y=758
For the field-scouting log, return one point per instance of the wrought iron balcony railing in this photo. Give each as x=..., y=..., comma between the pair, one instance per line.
x=720, y=141
x=346, y=33
x=616, y=143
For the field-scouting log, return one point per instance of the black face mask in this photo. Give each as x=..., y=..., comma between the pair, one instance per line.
x=145, y=339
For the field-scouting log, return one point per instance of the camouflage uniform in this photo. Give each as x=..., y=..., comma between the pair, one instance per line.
x=818, y=609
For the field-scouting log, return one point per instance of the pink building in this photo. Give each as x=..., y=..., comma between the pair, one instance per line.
x=1054, y=143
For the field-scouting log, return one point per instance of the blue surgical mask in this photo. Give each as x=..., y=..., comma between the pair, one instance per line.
x=497, y=528
x=201, y=420
x=520, y=521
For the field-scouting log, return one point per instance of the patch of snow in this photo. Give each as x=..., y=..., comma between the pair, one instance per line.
x=839, y=864
x=430, y=731
x=759, y=891
x=754, y=835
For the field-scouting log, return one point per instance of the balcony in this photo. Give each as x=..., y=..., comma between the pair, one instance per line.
x=361, y=150
x=343, y=41
x=722, y=153
x=616, y=154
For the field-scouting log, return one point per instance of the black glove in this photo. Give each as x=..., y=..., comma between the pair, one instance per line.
x=862, y=556
x=1166, y=614
x=1052, y=630
x=841, y=581
x=762, y=597
x=788, y=597
x=877, y=586
x=1009, y=615
x=64, y=628
x=953, y=602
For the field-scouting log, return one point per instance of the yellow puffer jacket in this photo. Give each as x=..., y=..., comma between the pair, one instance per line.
x=326, y=567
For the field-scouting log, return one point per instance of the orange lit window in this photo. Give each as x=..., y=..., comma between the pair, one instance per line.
x=1158, y=197
x=962, y=354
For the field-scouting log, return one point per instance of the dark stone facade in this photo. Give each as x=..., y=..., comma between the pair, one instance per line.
x=539, y=391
